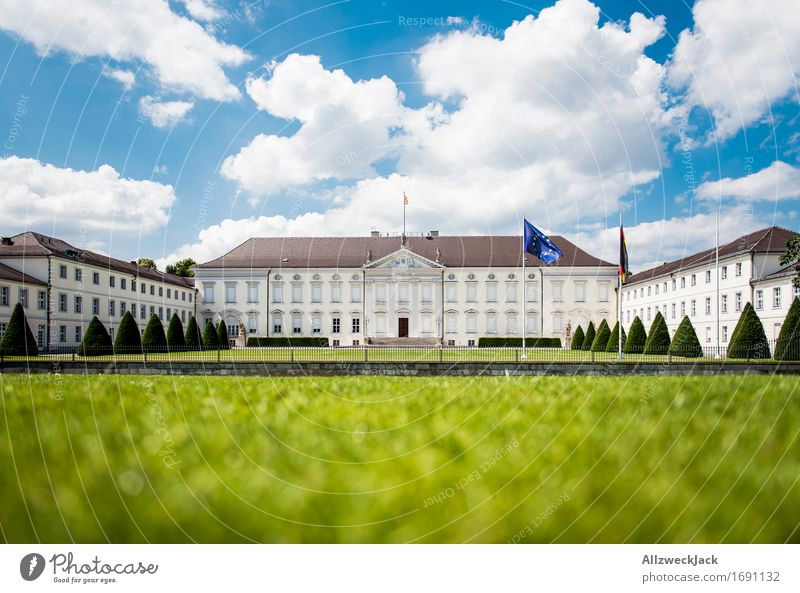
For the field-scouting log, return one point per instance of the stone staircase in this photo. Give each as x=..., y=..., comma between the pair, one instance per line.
x=420, y=342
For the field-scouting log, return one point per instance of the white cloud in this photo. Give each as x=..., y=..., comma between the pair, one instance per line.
x=42, y=196
x=163, y=114
x=181, y=53
x=739, y=58
x=126, y=77
x=779, y=181
x=203, y=10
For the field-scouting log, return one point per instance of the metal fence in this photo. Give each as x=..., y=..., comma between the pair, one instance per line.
x=391, y=354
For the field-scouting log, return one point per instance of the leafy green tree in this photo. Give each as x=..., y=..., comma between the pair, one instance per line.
x=634, y=343
x=175, y=338
x=193, y=338
x=128, y=339
x=589, y=337
x=222, y=336
x=685, y=342
x=658, y=338
x=792, y=256
x=577, y=339
x=18, y=338
x=788, y=345
x=210, y=338
x=182, y=268
x=146, y=262
x=601, y=337
x=154, y=339
x=613, y=341
x=748, y=339
x=96, y=341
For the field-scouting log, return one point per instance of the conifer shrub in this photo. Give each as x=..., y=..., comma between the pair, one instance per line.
x=154, y=338
x=788, y=345
x=601, y=337
x=685, y=342
x=634, y=343
x=658, y=338
x=193, y=339
x=748, y=339
x=577, y=339
x=18, y=338
x=175, y=338
x=128, y=339
x=96, y=341
x=588, y=339
x=222, y=336
x=210, y=338
x=613, y=340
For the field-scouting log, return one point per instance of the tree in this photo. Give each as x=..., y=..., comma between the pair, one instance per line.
x=658, y=338
x=613, y=341
x=792, y=256
x=128, y=339
x=685, y=342
x=146, y=262
x=788, y=345
x=182, y=268
x=18, y=337
x=601, y=337
x=96, y=340
x=154, y=339
x=175, y=338
x=577, y=339
x=589, y=337
x=748, y=339
x=634, y=343
x=210, y=338
x=222, y=335
x=193, y=338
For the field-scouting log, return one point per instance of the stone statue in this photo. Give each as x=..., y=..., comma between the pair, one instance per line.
x=438, y=255
x=241, y=339
x=568, y=335
x=369, y=255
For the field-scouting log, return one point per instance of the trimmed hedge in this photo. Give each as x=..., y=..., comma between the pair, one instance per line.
x=128, y=339
x=193, y=339
x=588, y=339
x=175, y=338
x=255, y=342
x=788, y=345
x=748, y=339
x=154, y=338
x=658, y=338
x=634, y=343
x=577, y=339
x=601, y=337
x=96, y=340
x=685, y=342
x=210, y=339
x=613, y=340
x=517, y=342
x=18, y=338
x=222, y=336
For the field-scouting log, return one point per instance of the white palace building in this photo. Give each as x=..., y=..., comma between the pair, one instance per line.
x=424, y=289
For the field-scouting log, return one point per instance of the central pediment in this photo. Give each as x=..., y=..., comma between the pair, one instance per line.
x=403, y=259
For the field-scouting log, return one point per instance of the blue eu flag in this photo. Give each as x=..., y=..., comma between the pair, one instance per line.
x=538, y=244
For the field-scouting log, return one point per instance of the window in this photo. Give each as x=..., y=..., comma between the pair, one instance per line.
x=649, y=290
x=356, y=325
x=152, y=290
x=656, y=288
x=451, y=292
x=628, y=316
x=693, y=308
x=316, y=293
x=78, y=275
x=708, y=276
x=603, y=292
x=133, y=285
x=511, y=292
x=724, y=333
x=62, y=273
x=2, y=330
x=683, y=309
x=724, y=303
x=208, y=293
x=776, y=297
x=62, y=302
x=511, y=324
x=122, y=306
x=530, y=289
x=648, y=313
x=356, y=342
x=297, y=293
x=472, y=323
x=230, y=293
x=491, y=292
x=161, y=312
x=123, y=283
x=673, y=311
x=708, y=334
x=23, y=297
x=380, y=293
x=160, y=291
x=739, y=269
x=316, y=325
x=277, y=324
x=169, y=294
x=277, y=293
x=472, y=292
x=112, y=308
x=402, y=292
x=470, y=343
x=759, y=299
x=355, y=293
x=62, y=333
x=724, y=272
x=4, y=296
x=491, y=323
x=674, y=284
x=297, y=325
x=95, y=306
x=451, y=323
x=96, y=278
x=77, y=333
x=112, y=281
x=78, y=304
x=143, y=288
x=683, y=281
x=737, y=301
x=580, y=292
x=532, y=320
x=252, y=292
x=336, y=292
x=694, y=280
x=41, y=300
x=558, y=292
x=336, y=325
x=427, y=293
x=169, y=313
x=558, y=323
x=708, y=305
x=152, y=310
x=142, y=312
x=335, y=343
x=183, y=316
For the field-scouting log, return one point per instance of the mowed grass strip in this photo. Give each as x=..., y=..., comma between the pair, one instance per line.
x=375, y=459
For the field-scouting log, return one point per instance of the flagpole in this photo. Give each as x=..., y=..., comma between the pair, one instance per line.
x=524, y=295
x=619, y=296
x=716, y=265
x=404, y=214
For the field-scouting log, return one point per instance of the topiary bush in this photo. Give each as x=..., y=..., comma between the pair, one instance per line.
x=18, y=338
x=658, y=338
x=128, y=339
x=634, y=343
x=577, y=339
x=589, y=337
x=788, y=345
x=222, y=336
x=748, y=339
x=154, y=339
x=685, y=342
x=601, y=337
x=613, y=340
x=210, y=339
x=96, y=341
x=193, y=338
x=175, y=338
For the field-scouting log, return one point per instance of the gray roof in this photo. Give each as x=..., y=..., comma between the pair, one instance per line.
x=352, y=252
x=790, y=270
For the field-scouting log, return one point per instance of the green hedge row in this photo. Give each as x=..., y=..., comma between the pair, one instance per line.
x=517, y=342
x=284, y=342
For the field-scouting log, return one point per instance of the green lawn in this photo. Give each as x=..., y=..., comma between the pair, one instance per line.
x=369, y=459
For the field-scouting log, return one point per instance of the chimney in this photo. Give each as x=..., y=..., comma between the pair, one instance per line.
x=374, y=233
x=434, y=233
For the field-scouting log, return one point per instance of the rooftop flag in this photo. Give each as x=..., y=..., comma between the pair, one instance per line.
x=538, y=244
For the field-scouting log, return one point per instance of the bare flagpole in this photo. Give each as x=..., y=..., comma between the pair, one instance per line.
x=716, y=266
x=619, y=294
x=524, y=295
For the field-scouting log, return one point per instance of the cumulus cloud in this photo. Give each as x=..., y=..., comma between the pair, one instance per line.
x=126, y=77
x=203, y=10
x=180, y=52
x=739, y=58
x=39, y=195
x=163, y=114
x=779, y=181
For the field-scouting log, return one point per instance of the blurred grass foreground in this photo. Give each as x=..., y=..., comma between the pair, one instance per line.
x=375, y=459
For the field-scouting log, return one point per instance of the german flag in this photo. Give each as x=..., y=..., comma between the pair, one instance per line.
x=624, y=270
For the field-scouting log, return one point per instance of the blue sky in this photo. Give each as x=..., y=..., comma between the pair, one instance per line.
x=181, y=129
